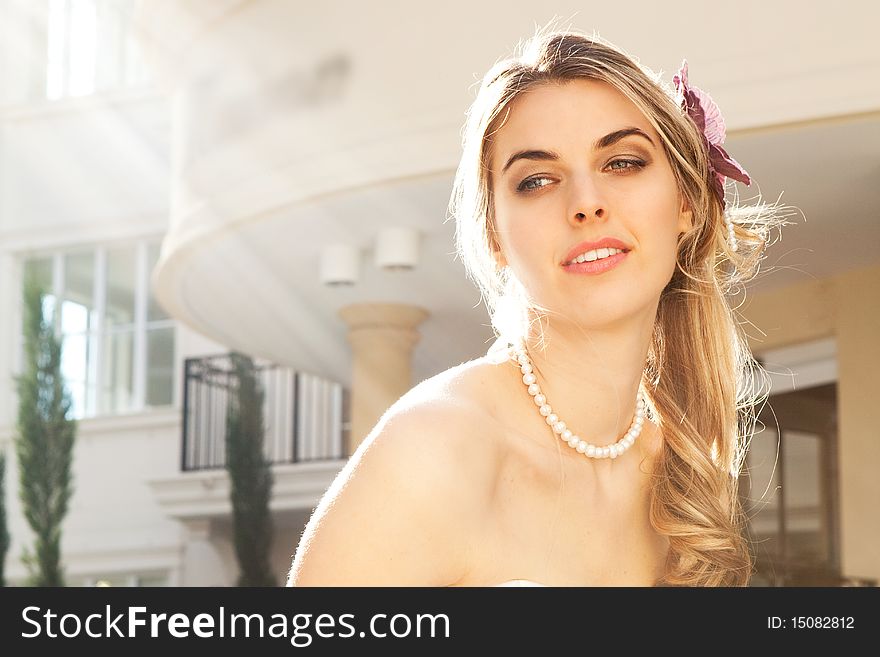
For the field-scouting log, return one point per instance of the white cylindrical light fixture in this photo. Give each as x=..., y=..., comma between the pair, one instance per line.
x=340, y=264
x=397, y=248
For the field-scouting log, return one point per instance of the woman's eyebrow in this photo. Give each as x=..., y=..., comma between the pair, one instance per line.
x=604, y=142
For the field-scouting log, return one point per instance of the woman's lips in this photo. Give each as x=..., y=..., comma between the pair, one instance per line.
x=596, y=266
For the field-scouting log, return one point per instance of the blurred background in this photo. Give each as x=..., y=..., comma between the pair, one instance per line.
x=189, y=178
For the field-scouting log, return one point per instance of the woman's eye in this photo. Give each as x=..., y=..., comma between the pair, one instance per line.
x=633, y=164
x=527, y=186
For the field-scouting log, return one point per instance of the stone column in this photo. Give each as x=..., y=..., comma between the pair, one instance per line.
x=382, y=337
x=857, y=321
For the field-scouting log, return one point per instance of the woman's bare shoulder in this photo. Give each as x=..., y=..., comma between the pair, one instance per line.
x=413, y=495
x=457, y=408
x=468, y=388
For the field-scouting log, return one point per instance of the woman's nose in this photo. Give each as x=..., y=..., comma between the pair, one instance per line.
x=587, y=202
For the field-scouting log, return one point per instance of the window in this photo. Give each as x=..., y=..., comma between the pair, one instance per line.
x=79, y=329
x=90, y=47
x=58, y=49
x=160, y=346
x=789, y=489
x=118, y=343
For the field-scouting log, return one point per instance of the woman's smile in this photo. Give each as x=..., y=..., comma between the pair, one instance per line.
x=598, y=266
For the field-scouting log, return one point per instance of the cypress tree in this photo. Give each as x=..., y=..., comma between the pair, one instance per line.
x=249, y=474
x=43, y=442
x=4, y=532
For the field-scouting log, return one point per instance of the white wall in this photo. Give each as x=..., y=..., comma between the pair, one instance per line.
x=113, y=524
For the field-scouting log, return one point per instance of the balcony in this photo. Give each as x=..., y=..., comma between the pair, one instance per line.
x=304, y=415
x=305, y=428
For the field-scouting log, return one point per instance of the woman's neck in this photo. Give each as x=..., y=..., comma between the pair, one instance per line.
x=591, y=377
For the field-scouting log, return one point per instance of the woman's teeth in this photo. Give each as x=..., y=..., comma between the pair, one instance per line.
x=596, y=254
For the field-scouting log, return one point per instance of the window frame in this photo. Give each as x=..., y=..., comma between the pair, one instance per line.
x=792, y=369
x=114, y=41
x=97, y=335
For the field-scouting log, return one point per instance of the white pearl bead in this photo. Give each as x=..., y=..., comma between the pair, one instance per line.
x=574, y=441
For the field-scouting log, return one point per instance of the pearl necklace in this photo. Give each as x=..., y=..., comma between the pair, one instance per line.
x=574, y=441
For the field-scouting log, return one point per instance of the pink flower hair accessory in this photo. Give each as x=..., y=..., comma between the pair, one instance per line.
x=704, y=112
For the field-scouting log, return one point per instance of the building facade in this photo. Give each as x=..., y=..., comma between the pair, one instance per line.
x=190, y=179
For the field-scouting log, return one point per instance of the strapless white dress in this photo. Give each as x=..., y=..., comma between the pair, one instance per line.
x=520, y=582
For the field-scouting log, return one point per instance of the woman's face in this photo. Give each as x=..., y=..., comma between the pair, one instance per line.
x=578, y=190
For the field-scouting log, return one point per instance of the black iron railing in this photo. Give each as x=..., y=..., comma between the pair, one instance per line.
x=305, y=416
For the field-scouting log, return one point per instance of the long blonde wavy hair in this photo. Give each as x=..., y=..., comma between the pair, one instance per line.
x=700, y=376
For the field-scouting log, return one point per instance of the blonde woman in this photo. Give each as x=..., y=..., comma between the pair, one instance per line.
x=599, y=440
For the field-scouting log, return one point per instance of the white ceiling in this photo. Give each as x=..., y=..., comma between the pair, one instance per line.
x=830, y=171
